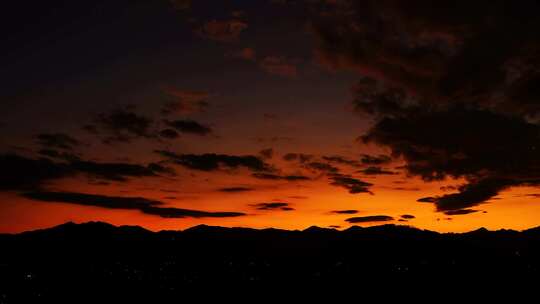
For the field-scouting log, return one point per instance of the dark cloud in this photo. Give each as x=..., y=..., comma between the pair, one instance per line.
x=160, y=169
x=428, y=199
x=184, y=101
x=144, y=205
x=235, y=189
x=210, y=162
x=189, y=127
x=372, y=98
x=492, y=151
x=370, y=219
x=408, y=216
x=20, y=173
x=267, y=153
x=372, y=170
x=460, y=212
x=302, y=158
x=122, y=125
x=273, y=206
x=449, y=188
x=469, y=195
x=57, y=141
x=352, y=184
x=341, y=160
x=455, y=142
x=183, y=213
x=451, y=86
x=59, y=154
x=345, y=211
x=323, y=167
x=441, y=50
x=406, y=188
x=118, y=171
x=375, y=160
x=93, y=200
x=271, y=176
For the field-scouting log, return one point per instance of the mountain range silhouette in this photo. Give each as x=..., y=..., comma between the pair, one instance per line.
x=99, y=260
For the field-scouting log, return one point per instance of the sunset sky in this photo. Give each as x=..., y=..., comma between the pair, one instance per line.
x=270, y=113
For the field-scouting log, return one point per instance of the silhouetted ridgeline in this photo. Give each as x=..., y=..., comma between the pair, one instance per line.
x=96, y=259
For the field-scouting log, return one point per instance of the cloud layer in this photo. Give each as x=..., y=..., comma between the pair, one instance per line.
x=144, y=205
x=450, y=85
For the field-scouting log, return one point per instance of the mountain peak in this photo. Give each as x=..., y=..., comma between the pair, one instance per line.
x=313, y=229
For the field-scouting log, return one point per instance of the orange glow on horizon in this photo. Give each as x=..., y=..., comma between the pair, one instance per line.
x=313, y=203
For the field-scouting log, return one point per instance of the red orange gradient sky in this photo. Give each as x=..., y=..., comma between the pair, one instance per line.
x=309, y=104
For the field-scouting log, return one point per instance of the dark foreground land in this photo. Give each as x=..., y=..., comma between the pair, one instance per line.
x=81, y=261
